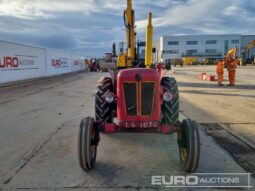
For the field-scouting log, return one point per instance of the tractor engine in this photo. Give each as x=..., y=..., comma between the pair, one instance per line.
x=139, y=98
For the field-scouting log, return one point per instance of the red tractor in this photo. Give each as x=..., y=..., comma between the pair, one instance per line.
x=142, y=100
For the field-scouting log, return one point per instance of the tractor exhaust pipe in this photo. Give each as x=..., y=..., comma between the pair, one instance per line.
x=149, y=34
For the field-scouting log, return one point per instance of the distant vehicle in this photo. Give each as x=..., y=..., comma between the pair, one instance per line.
x=174, y=62
x=189, y=60
x=93, y=65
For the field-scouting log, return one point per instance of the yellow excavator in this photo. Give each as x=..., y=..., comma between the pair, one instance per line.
x=125, y=59
x=231, y=57
x=130, y=57
x=243, y=60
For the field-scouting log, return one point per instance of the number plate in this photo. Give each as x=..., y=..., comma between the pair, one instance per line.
x=141, y=124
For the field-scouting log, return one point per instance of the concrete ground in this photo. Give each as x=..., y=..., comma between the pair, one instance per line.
x=232, y=107
x=39, y=132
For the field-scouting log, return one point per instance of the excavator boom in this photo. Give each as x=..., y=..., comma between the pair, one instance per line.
x=233, y=52
x=129, y=58
x=230, y=54
x=129, y=22
x=251, y=44
x=126, y=59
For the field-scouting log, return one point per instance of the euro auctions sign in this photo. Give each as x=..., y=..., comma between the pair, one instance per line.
x=18, y=62
x=77, y=62
x=60, y=63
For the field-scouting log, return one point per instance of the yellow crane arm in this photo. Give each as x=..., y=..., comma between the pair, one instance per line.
x=232, y=52
x=251, y=44
x=129, y=22
x=127, y=59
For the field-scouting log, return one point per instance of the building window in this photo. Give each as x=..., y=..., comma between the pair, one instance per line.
x=173, y=42
x=192, y=42
x=191, y=52
x=235, y=41
x=171, y=51
x=210, y=51
x=211, y=42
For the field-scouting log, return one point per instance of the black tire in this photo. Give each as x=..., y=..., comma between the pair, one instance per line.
x=103, y=110
x=87, y=144
x=170, y=110
x=189, y=145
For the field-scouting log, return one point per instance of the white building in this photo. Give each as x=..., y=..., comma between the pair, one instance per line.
x=203, y=46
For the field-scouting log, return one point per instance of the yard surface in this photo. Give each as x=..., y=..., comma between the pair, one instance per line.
x=39, y=134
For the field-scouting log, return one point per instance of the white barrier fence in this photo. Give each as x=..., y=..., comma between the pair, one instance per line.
x=21, y=62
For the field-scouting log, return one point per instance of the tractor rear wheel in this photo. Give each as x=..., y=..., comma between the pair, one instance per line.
x=87, y=145
x=189, y=145
x=103, y=110
x=170, y=110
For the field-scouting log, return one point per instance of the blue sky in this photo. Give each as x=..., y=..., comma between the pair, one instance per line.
x=91, y=26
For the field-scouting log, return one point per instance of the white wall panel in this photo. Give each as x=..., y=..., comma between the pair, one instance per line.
x=77, y=62
x=20, y=62
x=57, y=62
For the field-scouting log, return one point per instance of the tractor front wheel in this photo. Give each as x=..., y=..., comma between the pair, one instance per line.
x=87, y=145
x=189, y=145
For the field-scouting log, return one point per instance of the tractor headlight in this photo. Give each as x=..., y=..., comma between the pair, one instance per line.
x=167, y=96
x=109, y=98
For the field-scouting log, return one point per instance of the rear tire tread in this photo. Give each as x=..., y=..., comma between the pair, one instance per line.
x=103, y=111
x=170, y=110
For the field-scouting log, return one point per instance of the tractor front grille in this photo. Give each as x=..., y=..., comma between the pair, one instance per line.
x=147, y=98
x=130, y=94
x=144, y=105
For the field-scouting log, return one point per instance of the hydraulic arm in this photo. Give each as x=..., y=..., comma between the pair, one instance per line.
x=251, y=44
x=129, y=22
x=231, y=53
x=129, y=58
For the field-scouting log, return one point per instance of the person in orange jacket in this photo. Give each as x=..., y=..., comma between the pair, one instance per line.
x=231, y=67
x=220, y=72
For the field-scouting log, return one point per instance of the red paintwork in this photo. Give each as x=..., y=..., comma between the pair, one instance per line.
x=210, y=77
x=110, y=128
x=147, y=75
x=161, y=70
x=166, y=129
x=162, y=73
